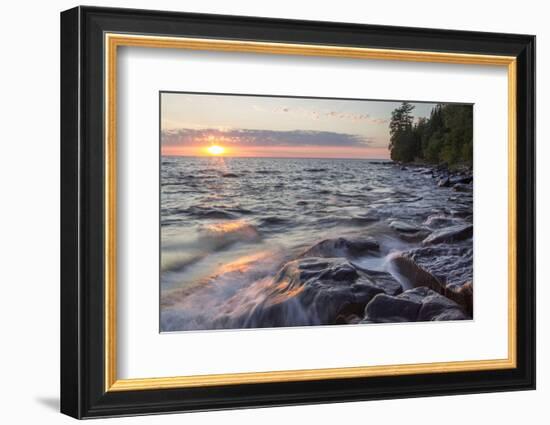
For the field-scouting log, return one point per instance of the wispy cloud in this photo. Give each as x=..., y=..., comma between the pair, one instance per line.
x=348, y=116
x=250, y=137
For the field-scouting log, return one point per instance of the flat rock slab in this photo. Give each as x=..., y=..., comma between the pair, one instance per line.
x=450, y=234
x=404, y=227
x=450, y=264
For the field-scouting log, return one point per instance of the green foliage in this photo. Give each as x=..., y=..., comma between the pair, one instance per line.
x=402, y=137
x=446, y=136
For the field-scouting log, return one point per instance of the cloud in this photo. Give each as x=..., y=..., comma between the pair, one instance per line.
x=258, y=138
x=350, y=116
x=347, y=116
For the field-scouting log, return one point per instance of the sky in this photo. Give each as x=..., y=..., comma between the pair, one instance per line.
x=263, y=126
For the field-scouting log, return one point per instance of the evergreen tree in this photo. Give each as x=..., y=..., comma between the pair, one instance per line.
x=446, y=136
x=401, y=133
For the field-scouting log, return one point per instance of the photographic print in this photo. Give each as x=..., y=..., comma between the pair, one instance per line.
x=194, y=212
x=289, y=211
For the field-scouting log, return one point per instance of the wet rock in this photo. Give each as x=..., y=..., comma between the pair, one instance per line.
x=401, y=226
x=450, y=265
x=385, y=308
x=414, y=237
x=361, y=220
x=342, y=247
x=452, y=314
x=444, y=182
x=351, y=319
x=383, y=280
x=438, y=221
x=419, y=304
x=438, y=307
x=463, y=180
x=409, y=232
x=460, y=187
x=341, y=272
x=414, y=274
x=318, y=291
x=417, y=294
x=462, y=295
x=447, y=271
x=461, y=212
x=450, y=234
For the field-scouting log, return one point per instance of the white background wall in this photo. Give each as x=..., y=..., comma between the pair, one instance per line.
x=29, y=212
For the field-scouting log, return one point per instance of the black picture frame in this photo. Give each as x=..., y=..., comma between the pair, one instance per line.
x=83, y=392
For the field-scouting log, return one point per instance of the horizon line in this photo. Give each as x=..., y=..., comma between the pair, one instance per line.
x=274, y=157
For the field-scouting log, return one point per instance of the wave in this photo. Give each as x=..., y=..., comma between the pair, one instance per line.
x=210, y=238
x=229, y=292
x=307, y=291
x=329, y=283
x=274, y=221
x=217, y=212
x=268, y=172
x=357, y=220
x=209, y=212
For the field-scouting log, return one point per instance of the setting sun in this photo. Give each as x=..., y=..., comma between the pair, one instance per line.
x=215, y=150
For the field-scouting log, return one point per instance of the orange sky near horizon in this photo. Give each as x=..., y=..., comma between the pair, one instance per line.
x=277, y=127
x=281, y=151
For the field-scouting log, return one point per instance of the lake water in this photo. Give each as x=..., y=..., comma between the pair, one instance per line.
x=229, y=224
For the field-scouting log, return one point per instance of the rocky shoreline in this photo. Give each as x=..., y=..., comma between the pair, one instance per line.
x=334, y=289
x=331, y=283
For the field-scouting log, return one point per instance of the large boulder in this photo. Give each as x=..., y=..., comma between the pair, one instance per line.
x=437, y=307
x=451, y=264
x=414, y=305
x=431, y=268
x=342, y=247
x=386, y=308
x=318, y=291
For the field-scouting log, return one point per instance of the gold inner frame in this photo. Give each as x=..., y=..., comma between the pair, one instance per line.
x=113, y=41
